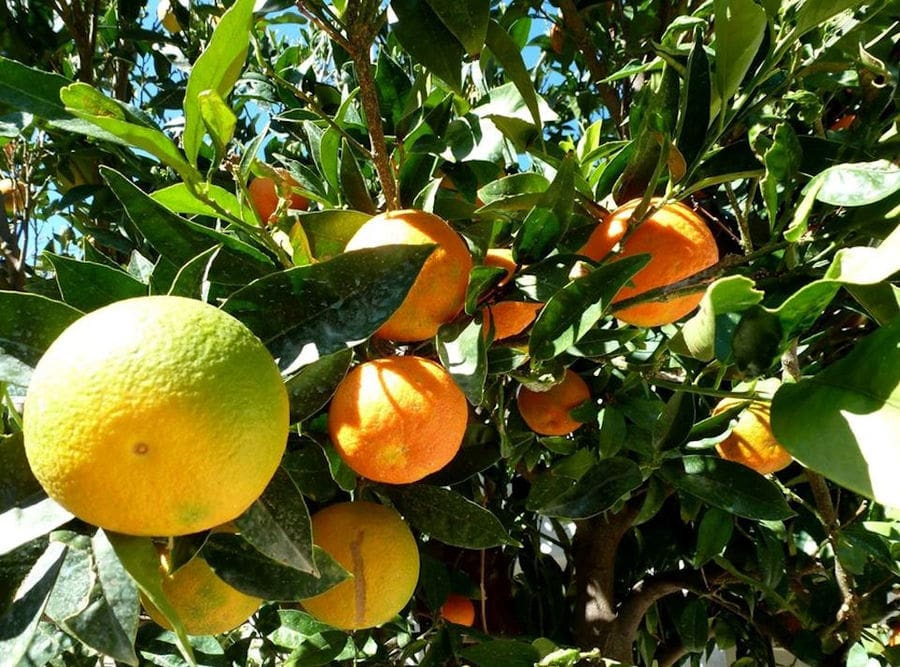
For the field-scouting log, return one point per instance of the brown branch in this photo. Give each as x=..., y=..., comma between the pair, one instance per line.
x=575, y=25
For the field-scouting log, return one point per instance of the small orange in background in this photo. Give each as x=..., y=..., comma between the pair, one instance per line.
x=13, y=194
x=398, y=419
x=501, y=258
x=439, y=291
x=510, y=318
x=458, y=609
x=843, y=122
x=557, y=38
x=264, y=195
x=751, y=441
x=680, y=245
x=547, y=412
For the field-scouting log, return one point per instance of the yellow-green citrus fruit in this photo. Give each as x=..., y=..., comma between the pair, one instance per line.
x=205, y=604
x=679, y=244
x=547, y=412
x=397, y=419
x=374, y=544
x=751, y=441
x=156, y=415
x=439, y=291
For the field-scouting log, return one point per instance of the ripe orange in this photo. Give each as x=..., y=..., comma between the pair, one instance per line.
x=547, y=412
x=264, y=195
x=13, y=194
x=398, y=419
x=680, y=245
x=510, y=318
x=502, y=258
x=557, y=38
x=751, y=441
x=458, y=609
x=374, y=544
x=439, y=291
x=843, y=122
x=156, y=415
x=205, y=604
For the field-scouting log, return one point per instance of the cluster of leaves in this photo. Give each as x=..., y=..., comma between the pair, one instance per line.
x=776, y=121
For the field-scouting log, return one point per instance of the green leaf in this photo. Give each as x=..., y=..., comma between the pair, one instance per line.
x=501, y=653
x=597, y=490
x=192, y=279
x=29, y=323
x=841, y=422
x=449, y=517
x=37, y=92
x=180, y=240
x=119, y=590
x=731, y=294
x=17, y=481
x=353, y=185
x=541, y=231
x=856, y=183
x=463, y=352
x=740, y=27
x=756, y=341
x=693, y=626
x=217, y=69
x=509, y=54
x=813, y=14
x=307, y=312
x=140, y=559
x=219, y=120
x=88, y=286
x=577, y=307
x=729, y=486
x=513, y=185
x=466, y=19
x=277, y=524
x=782, y=162
x=309, y=468
x=693, y=122
x=328, y=231
x=426, y=38
x=90, y=104
x=235, y=561
x=311, y=388
x=35, y=517
x=713, y=535
x=179, y=198
x=21, y=620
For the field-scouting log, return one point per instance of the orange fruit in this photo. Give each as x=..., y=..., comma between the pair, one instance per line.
x=510, y=318
x=204, y=603
x=156, y=415
x=458, y=609
x=375, y=545
x=842, y=123
x=751, y=441
x=13, y=194
x=439, y=291
x=680, y=245
x=501, y=258
x=397, y=419
x=547, y=412
x=264, y=195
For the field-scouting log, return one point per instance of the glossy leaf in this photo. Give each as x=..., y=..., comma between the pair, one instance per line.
x=33, y=518
x=192, y=280
x=466, y=19
x=219, y=120
x=713, y=535
x=307, y=312
x=427, y=39
x=217, y=69
x=88, y=286
x=29, y=323
x=693, y=122
x=449, y=517
x=328, y=231
x=740, y=27
x=505, y=652
x=312, y=387
x=238, y=563
x=843, y=421
x=572, y=311
x=353, y=185
x=179, y=198
x=596, y=491
x=729, y=486
x=509, y=54
x=856, y=184
x=463, y=352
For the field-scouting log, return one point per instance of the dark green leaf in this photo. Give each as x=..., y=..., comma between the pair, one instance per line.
x=510, y=186
x=307, y=312
x=426, y=38
x=509, y=54
x=813, y=14
x=481, y=279
x=311, y=388
x=277, y=524
x=308, y=467
x=729, y=486
x=713, y=535
x=675, y=422
x=88, y=286
x=449, y=517
x=17, y=482
x=217, y=69
x=180, y=240
x=466, y=19
x=740, y=28
x=36, y=517
x=192, y=279
x=756, y=342
x=541, y=231
x=502, y=653
x=238, y=563
x=601, y=487
x=353, y=185
x=693, y=122
x=572, y=311
x=842, y=421
x=693, y=626
x=29, y=323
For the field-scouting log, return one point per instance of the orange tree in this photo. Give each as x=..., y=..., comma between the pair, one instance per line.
x=626, y=540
